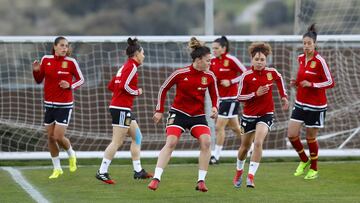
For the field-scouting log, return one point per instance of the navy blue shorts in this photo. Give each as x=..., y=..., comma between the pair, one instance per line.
x=60, y=116
x=228, y=108
x=248, y=124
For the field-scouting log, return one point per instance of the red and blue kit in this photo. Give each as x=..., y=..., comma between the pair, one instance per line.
x=54, y=69
x=189, y=100
x=227, y=67
x=317, y=72
x=250, y=81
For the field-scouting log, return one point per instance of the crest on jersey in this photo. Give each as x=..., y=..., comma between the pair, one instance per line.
x=313, y=64
x=204, y=80
x=269, y=76
x=64, y=64
x=226, y=63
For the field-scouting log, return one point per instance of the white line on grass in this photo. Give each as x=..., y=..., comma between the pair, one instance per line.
x=21, y=180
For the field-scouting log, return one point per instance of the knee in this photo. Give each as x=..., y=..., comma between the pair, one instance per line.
x=219, y=128
x=52, y=138
x=205, y=145
x=258, y=145
x=171, y=145
x=243, y=150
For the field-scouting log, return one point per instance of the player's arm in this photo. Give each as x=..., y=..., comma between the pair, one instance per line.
x=79, y=78
x=281, y=88
x=214, y=95
x=38, y=71
x=326, y=75
x=169, y=82
x=129, y=75
x=240, y=69
x=243, y=94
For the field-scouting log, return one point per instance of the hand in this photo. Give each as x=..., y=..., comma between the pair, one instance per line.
x=157, y=117
x=305, y=83
x=292, y=82
x=225, y=83
x=140, y=91
x=36, y=66
x=214, y=113
x=285, y=103
x=64, y=84
x=262, y=90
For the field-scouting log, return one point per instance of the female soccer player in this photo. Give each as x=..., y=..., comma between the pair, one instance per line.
x=312, y=80
x=58, y=71
x=255, y=89
x=227, y=70
x=136, y=137
x=187, y=111
x=124, y=88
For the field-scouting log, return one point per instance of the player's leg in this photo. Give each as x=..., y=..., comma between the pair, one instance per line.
x=54, y=152
x=314, y=121
x=121, y=120
x=246, y=141
x=311, y=135
x=220, y=139
x=202, y=133
x=235, y=126
x=63, y=116
x=135, y=148
x=172, y=138
x=49, y=122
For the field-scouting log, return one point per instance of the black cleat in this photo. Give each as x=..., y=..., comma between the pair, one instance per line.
x=213, y=160
x=142, y=174
x=105, y=177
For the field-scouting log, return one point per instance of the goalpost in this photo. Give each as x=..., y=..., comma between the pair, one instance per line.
x=22, y=134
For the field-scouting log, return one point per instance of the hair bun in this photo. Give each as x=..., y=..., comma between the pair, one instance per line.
x=311, y=28
x=195, y=43
x=132, y=42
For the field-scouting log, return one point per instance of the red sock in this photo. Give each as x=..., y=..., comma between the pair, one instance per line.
x=298, y=146
x=314, y=149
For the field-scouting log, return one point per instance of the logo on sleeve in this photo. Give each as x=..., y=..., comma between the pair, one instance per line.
x=313, y=64
x=269, y=76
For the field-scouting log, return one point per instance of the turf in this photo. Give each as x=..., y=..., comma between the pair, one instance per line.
x=338, y=182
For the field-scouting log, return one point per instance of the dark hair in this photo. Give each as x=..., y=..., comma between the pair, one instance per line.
x=223, y=41
x=56, y=42
x=198, y=49
x=261, y=47
x=133, y=46
x=311, y=32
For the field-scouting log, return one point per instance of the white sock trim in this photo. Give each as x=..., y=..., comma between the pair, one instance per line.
x=217, y=151
x=137, y=165
x=253, y=167
x=202, y=175
x=105, y=163
x=56, y=162
x=158, y=172
x=240, y=164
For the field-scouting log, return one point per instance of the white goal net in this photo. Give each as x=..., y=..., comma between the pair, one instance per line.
x=21, y=111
